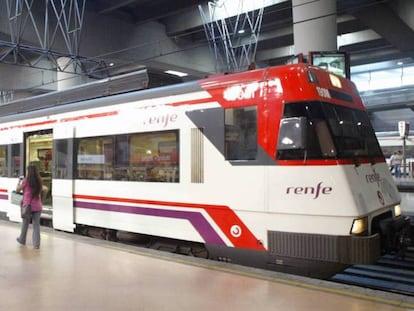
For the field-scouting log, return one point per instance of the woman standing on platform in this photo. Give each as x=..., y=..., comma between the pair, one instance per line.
x=32, y=189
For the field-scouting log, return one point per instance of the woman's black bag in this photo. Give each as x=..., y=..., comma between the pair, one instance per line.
x=26, y=211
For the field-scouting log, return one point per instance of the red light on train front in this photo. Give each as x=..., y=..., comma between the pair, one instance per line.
x=359, y=226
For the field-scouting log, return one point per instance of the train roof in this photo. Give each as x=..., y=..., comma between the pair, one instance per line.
x=125, y=87
x=134, y=81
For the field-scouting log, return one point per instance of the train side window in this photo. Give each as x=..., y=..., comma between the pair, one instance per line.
x=16, y=163
x=94, y=158
x=3, y=161
x=121, y=157
x=241, y=133
x=62, y=159
x=137, y=157
x=154, y=157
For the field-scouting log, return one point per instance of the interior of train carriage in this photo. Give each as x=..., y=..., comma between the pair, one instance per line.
x=38, y=151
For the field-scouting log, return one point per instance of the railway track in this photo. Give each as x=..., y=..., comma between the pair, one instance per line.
x=390, y=273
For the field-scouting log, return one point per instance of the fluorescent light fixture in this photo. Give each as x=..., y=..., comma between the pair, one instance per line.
x=241, y=31
x=176, y=73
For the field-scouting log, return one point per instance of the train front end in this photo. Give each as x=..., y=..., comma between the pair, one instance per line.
x=342, y=201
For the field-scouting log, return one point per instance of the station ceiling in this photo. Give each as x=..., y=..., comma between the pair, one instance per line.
x=125, y=35
x=378, y=30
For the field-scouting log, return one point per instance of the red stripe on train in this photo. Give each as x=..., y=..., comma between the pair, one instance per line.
x=224, y=217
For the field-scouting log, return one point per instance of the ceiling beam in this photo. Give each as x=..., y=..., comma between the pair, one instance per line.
x=105, y=7
x=384, y=21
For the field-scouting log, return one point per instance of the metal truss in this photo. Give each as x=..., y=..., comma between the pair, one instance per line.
x=62, y=21
x=233, y=40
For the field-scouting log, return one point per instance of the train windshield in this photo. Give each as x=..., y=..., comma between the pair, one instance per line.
x=317, y=130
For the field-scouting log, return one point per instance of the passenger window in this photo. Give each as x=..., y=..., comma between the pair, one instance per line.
x=154, y=157
x=137, y=157
x=3, y=161
x=16, y=164
x=121, y=158
x=241, y=133
x=94, y=158
x=63, y=159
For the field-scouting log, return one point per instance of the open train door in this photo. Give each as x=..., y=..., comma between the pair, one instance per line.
x=62, y=182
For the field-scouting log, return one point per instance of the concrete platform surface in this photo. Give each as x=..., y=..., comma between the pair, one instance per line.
x=77, y=273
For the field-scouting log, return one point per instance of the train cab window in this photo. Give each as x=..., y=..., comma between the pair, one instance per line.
x=325, y=140
x=352, y=132
x=241, y=133
x=292, y=133
x=3, y=161
x=311, y=116
x=331, y=132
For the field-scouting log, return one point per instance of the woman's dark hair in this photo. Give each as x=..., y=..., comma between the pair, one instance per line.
x=34, y=180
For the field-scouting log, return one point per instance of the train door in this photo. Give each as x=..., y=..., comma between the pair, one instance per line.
x=38, y=152
x=62, y=182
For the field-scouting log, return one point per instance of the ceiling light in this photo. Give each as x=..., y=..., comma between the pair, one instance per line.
x=176, y=73
x=241, y=31
x=400, y=63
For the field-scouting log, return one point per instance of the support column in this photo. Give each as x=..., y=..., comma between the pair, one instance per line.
x=314, y=26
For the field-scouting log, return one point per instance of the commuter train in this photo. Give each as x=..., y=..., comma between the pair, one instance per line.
x=277, y=168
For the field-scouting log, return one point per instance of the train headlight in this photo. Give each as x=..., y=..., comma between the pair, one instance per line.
x=397, y=210
x=359, y=225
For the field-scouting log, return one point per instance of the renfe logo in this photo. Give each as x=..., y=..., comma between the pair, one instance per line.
x=162, y=120
x=315, y=191
x=373, y=178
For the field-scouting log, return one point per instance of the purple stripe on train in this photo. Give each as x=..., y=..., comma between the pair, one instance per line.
x=195, y=218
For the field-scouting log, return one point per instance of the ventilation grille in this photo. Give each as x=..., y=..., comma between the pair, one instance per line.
x=342, y=249
x=311, y=246
x=197, y=155
x=365, y=250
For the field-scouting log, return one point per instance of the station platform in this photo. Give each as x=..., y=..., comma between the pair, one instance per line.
x=405, y=186
x=71, y=272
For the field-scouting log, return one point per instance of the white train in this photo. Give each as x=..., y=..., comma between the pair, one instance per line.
x=276, y=168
